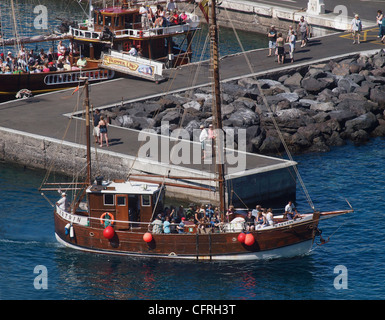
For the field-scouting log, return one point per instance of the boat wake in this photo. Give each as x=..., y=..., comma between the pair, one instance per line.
x=30, y=243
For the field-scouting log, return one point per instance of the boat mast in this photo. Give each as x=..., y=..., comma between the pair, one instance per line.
x=217, y=114
x=88, y=139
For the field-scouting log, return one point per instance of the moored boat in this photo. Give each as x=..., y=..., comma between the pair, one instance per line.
x=115, y=29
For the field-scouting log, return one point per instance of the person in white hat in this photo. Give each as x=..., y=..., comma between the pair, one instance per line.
x=356, y=28
x=62, y=203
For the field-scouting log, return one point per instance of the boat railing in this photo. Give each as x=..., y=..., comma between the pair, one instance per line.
x=86, y=33
x=73, y=77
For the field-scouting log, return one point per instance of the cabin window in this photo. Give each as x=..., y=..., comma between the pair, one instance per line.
x=108, y=199
x=117, y=21
x=121, y=200
x=146, y=200
x=128, y=21
x=100, y=19
x=107, y=21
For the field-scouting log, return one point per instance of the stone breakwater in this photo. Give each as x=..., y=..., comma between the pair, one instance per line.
x=316, y=107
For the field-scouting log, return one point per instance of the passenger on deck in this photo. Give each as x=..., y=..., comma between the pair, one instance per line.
x=249, y=222
x=166, y=225
x=132, y=51
x=181, y=225
x=230, y=214
x=62, y=203
x=61, y=49
x=157, y=225
x=190, y=212
x=174, y=18
x=255, y=211
x=183, y=17
x=82, y=62
x=143, y=11
x=268, y=218
x=171, y=6
x=259, y=219
x=209, y=211
x=215, y=223
x=289, y=211
x=173, y=226
x=202, y=223
x=199, y=214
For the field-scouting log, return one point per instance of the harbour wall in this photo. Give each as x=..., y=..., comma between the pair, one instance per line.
x=268, y=185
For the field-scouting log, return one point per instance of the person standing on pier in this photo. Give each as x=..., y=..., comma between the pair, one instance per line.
x=103, y=131
x=272, y=36
x=356, y=28
x=96, y=130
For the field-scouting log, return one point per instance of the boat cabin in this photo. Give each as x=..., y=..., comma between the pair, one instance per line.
x=118, y=28
x=126, y=201
x=117, y=19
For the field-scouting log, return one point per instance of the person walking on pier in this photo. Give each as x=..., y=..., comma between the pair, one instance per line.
x=356, y=28
x=379, y=18
x=303, y=29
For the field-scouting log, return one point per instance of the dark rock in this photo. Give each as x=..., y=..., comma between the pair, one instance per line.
x=367, y=122
x=244, y=117
x=294, y=80
x=271, y=144
x=313, y=85
x=378, y=95
x=342, y=116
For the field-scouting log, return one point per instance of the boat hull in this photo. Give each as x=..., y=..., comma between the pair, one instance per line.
x=43, y=82
x=284, y=241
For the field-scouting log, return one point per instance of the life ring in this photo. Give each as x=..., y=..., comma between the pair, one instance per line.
x=112, y=220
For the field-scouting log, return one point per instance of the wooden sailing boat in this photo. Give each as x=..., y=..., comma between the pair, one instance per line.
x=118, y=217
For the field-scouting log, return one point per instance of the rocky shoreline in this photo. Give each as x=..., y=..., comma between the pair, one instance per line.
x=316, y=107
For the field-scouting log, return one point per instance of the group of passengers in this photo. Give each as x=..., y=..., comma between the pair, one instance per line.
x=205, y=218
x=27, y=61
x=162, y=18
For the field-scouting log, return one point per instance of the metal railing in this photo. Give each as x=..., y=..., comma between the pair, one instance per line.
x=73, y=77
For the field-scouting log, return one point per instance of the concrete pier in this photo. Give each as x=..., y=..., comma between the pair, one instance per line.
x=258, y=16
x=34, y=132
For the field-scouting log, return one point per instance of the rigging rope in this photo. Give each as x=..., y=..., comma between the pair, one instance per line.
x=310, y=202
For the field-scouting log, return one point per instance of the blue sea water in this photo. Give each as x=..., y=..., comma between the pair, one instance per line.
x=356, y=242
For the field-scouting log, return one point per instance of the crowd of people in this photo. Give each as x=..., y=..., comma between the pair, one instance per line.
x=162, y=17
x=206, y=218
x=28, y=61
x=277, y=40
